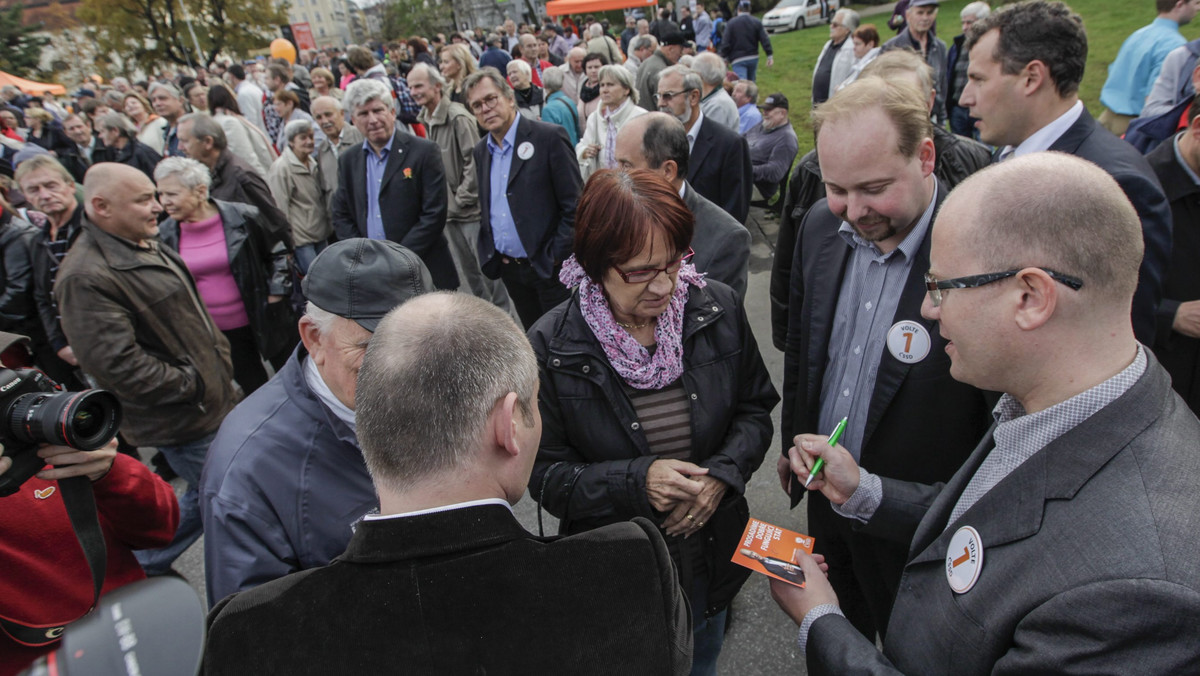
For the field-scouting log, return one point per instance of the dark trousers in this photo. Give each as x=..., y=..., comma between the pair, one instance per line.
x=531, y=295
x=863, y=571
x=248, y=369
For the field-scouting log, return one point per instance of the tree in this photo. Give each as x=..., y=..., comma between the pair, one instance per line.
x=402, y=18
x=20, y=48
x=151, y=32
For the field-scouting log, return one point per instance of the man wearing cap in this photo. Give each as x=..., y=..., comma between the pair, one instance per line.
x=743, y=34
x=773, y=146
x=285, y=481
x=670, y=48
x=918, y=36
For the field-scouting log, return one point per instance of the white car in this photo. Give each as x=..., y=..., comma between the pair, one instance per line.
x=797, y=14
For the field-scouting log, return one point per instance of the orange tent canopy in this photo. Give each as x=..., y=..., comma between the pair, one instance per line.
x=29, y=86
x=561, y=7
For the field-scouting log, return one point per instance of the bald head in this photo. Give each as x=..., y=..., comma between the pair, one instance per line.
x=1072, y=217
x=655, y=141
x=120, y=200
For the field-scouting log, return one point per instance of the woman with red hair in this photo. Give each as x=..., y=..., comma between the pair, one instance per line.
x=654, y=398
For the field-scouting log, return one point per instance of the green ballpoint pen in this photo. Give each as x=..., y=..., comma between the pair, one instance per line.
x=833, y=439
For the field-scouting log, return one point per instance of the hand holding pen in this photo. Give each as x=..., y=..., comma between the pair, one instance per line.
x=826, y=466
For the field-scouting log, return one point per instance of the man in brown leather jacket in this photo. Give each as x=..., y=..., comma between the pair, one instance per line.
x=139, y=327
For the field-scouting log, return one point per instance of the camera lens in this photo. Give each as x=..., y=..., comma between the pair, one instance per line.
x=83, y=420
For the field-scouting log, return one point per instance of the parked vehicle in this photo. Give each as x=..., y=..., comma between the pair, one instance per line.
x=796, y=14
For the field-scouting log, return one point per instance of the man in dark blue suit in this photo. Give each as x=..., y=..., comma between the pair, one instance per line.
x=393, y=187
x=529, y=183
x=1036, y=107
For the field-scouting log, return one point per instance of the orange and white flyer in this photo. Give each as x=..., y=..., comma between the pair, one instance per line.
x=771, y=550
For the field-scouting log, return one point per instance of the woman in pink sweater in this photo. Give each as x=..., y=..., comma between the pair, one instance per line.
x=242, y=271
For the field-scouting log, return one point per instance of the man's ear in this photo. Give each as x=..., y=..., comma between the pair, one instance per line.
x=1039, y=298
x=1036, y=75
x=506, y=416
x=311, y=337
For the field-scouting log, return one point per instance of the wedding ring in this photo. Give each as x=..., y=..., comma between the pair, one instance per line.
x=690, y=517
x=700, y=524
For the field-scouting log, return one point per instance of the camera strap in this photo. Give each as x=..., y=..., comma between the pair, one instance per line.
x=80, y=503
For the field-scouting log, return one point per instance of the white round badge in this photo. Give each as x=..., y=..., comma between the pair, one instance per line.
x=964, y=560
x=908, y=341
x=525, y=150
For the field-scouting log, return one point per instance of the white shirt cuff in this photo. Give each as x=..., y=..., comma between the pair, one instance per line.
x=862, y=505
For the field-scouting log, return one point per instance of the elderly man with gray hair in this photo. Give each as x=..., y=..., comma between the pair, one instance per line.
x=299, y=193
x=170, y=105
x=396, y=173
x=640, y=49
x=837, y=56
x=559, y=108
x=285, y=481
x=452, y=127
x=121, y=144
x=328, y=113
x=715, y=102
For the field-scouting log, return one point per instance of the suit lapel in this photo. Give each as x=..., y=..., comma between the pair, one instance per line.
x=1075, y=135
x=825, y=283
x=524, y=132
x=395, y=159
x=358, y=176
x=700, y=150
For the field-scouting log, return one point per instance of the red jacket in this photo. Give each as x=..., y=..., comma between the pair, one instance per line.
x=46, y=580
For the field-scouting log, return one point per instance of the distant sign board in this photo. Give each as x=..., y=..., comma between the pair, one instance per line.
x=303, y=36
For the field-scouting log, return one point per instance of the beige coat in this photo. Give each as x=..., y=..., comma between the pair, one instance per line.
x=299, y=193
x=455, y=132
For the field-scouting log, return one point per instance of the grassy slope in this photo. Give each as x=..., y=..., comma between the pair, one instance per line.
x=1108, y=23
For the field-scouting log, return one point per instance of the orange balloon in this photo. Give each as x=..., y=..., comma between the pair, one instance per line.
x=281, y=48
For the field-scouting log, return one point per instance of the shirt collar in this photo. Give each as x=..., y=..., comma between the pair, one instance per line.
x=387, y=149
x=911, y=243
x=1182, y=162
x=1079, y=407
x=1045, y=137
x=691, y=135
x=316, y=383
x=441, y=508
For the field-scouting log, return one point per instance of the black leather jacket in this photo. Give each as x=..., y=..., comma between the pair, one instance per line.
x=260, y=266
x=17, y=311
x=592, y=463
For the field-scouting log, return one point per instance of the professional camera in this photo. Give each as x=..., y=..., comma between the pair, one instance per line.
x=34, y=410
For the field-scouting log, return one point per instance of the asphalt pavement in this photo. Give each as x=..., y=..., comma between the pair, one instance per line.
x=761, y=639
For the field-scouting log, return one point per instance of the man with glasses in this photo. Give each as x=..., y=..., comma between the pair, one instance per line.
x=528, y=182
x=857, y=346
x=837, y=56
x=719, y=164
x=1068, y=536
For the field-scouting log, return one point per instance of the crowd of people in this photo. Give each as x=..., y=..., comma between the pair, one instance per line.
x=362, y=303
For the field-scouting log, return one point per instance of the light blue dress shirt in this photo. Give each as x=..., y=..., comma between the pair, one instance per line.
x=1136, y=67
x=748, y=116
x=504, y=229
x=376, y=164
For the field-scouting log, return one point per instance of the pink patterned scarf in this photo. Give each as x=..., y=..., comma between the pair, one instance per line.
x=633, y=362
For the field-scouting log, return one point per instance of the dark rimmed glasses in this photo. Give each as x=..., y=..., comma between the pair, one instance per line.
x=643, y=276
x=936, y=286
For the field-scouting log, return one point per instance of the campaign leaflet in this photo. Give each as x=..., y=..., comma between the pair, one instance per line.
x=771, y=550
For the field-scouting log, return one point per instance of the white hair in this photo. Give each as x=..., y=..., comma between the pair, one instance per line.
x=190, y=173
x=365, y=90
x=978, y=10
x=521, y=65
x=321, y=319
x=435, y=78
x=710, y=68
x=850, y=18
x=296, y=128
x=595, y=30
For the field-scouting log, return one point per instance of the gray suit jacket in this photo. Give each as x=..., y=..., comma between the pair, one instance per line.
x=722, y=244
x=1091, y=563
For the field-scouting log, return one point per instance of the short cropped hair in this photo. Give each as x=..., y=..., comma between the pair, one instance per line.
x=429, y=381
x=190, y=173
x=522, y=66
x=868, y=33
x=1164, y=6
x=1037, y=31
x=900, y=101
x=204, y=126
x=618, y=210
x=641, y=42
x=552, y=80
x=496, y=78
x=364, y=90
x=690, y=79
x=901, y=62
x=44, y=161
x=1079, y=222
x=710, y=68
x=167, y=86
x=359, y=59
x=296, y=128
x=281, y=73
x=117, y=122
x=665, y=139
x=620, y=75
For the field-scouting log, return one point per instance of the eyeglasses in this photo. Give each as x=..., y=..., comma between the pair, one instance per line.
x=643, y=276
x=665, y=97
x=936, y=287
x=486, y=103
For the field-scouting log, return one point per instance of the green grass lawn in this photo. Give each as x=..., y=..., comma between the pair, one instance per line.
x=1108, y=23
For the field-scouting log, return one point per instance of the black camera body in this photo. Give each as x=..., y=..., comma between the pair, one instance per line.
x=34, y=410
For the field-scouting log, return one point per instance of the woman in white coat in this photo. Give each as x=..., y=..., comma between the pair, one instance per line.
x=618, y=104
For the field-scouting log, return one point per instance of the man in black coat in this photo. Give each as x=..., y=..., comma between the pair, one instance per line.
x=857, y=346
x=1177, y=338
x=428, y=582
x=719, y=166
x=1045, y=113
x=393, y=187
x=529, y=182
x=122, y=146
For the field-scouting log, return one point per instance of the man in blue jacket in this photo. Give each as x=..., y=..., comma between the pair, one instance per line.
x=285, y=481
x=743, y=34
